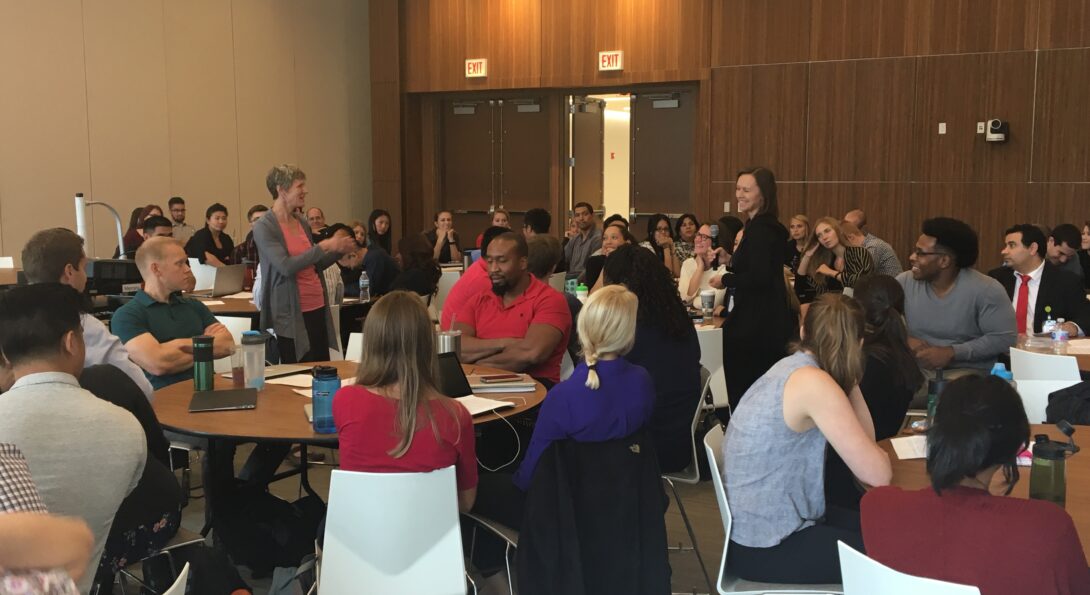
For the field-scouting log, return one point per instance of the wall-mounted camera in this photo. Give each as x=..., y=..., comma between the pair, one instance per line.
x=997, y=131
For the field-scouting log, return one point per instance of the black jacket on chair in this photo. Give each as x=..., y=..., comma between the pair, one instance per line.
x=593, y=522
x=1059, y=289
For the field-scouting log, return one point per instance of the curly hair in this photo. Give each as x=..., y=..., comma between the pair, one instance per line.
x=643, y=273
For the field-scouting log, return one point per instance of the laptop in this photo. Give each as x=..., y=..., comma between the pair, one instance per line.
x=228, y=280
x=223, y=400
x=453, y=383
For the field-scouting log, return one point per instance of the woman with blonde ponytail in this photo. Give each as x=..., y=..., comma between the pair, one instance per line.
x=774, y=452
x=393, y=419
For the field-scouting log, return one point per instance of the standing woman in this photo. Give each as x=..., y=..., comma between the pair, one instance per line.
x=378, y=230
x=211, y=245
x=832, y=263
x=759, y=327
x=660, y=240
x=797, y=245
x=1084, y=253
x=685, y=232
x=293, y=300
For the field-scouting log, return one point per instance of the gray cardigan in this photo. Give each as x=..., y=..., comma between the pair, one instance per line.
x=280, y=309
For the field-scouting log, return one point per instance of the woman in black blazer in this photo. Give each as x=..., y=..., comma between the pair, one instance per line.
x=757, y=331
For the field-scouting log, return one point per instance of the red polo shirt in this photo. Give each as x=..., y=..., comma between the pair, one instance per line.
x=473, y=281
x=539, y=304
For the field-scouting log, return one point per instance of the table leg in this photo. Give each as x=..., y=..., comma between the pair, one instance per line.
x=303, y=466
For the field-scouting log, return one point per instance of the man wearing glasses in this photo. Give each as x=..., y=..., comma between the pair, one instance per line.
x=959, y=320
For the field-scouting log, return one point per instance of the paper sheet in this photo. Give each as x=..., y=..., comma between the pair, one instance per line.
x=910, y=447
x=1078, y=346
x=212, y=302
x=306, y=391
x=242, y=295
x=478, y=405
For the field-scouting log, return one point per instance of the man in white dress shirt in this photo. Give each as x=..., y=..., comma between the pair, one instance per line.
x=56, y=256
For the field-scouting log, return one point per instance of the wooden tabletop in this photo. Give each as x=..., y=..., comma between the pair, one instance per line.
x=279, y=415
x=912, y=474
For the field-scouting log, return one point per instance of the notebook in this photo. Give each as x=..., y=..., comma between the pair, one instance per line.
x=223, y=400
x=524, y=384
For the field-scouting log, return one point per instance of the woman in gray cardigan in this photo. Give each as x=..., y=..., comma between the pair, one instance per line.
x=292, y=301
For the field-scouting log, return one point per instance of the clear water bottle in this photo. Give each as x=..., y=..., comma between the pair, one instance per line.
x=326, y=383
x=365, y=287
x=1049, y=324
x=253, y=359
x=1060, y=338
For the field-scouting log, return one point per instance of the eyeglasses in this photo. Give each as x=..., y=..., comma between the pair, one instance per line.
x=703, y=237
x=920, y=253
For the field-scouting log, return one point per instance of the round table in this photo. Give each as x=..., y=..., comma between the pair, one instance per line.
x=912, y=475
x=279, y=415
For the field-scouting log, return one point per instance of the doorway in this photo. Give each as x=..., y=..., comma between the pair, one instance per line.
x=631, y=153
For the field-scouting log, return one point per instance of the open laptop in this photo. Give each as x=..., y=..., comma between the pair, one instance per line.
x=453, y=383
x=228, y=280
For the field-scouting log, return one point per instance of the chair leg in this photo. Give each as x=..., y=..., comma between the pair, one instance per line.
x=692, y=536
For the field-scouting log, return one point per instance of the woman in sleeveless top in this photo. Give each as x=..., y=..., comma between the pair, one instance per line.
x=774, y=453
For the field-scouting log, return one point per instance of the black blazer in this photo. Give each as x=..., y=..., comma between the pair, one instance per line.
x=1061, y=290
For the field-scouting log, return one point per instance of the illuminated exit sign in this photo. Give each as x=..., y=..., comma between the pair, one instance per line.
x=476, y=68
x=611, y=60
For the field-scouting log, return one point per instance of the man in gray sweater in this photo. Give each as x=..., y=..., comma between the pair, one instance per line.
x=84, y=453
x=958, y=318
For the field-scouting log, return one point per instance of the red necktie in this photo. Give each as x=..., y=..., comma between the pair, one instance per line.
x=1021, y=307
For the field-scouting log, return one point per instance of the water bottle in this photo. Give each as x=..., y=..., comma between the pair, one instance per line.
x=365, y=287
x=1060, y=338
x=326, y=383
x=581, y=292
x=1049, y=324
x=1000, y=370
x=253, y=359
x=203, y=372
x=1047, y=479
x=934, y=390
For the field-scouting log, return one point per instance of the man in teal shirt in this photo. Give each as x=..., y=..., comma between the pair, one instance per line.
x=158, y=325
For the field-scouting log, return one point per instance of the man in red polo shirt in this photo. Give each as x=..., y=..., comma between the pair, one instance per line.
x=473, y=281
x=522, y=325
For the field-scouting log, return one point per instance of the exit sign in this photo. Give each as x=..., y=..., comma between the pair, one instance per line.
x=611, y=60
x=476, y=68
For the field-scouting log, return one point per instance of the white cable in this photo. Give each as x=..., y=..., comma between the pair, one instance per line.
x=518, y=449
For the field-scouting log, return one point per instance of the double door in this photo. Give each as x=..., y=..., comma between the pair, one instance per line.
x=495, y=155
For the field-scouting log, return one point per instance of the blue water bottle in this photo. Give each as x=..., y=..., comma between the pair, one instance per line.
x=326, y=383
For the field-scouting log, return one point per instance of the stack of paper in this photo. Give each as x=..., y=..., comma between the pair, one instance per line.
x=524, y=384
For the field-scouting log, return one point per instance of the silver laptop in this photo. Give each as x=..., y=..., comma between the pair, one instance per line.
x=229, y=280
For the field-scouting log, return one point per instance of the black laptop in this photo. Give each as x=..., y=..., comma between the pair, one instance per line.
x=452, y=379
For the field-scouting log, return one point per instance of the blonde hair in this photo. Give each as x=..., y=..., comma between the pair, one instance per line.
x=833, y=332
x=153, y=250
x=824, y=256
x=399, y=348
x=607, y=326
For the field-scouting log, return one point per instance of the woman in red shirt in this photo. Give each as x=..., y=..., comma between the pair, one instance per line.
x=957, y=531
x=394, y=420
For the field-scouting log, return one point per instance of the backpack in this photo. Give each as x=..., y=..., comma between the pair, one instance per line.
x=264, y=532
x=1071, y=404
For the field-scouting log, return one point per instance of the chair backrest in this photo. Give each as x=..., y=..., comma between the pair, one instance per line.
x=556, y=281
x=178, y=588
x=691, y=473
x=713, y=446
x=1027, y=365
x=236, y=325
x=567, y=366
x=711, y=347
x=446, y=281
x=204, y=274
x=394, y=532
x=7, y=262
x=354, y=351
x=335, y=314
x=863, y=575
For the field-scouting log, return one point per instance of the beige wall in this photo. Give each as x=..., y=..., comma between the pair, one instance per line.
x=134, y=101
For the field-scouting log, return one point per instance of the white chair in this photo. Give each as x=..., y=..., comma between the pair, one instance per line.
x=711, y=357
x=354, y=351
x=713, y=444
x=446, y=281
x=556, y=281
x=237, y=325
x=567, y=366
x=864, y=576
x=394, y=533
x=335, y=313
x=178, y=588
x=204, y=274
x=7, y=262
x=691, y=474
x=1039, y=374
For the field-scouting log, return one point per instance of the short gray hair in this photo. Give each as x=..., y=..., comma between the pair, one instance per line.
x=283, y=176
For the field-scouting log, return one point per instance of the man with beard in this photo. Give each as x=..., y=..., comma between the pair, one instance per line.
x=522, y=325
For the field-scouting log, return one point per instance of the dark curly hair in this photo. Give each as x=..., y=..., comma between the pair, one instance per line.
x=956, y=236
x=643, y=273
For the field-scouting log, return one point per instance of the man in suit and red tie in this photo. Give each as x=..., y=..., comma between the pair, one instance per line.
x=1033, y=284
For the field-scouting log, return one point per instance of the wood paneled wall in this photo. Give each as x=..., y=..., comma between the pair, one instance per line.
x=842, y=98
x=133, y=101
